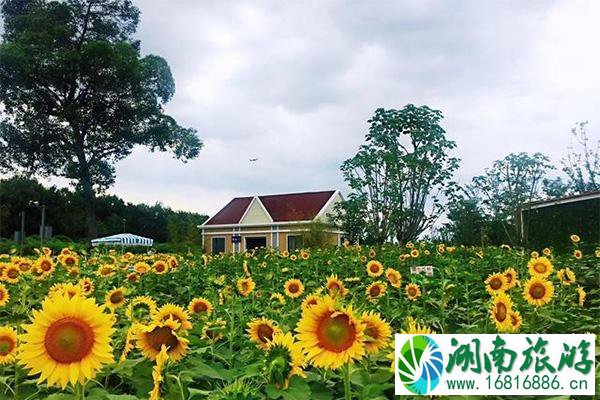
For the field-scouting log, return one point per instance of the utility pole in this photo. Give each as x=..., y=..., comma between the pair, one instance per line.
x=22, y=238
x=124, y=220
x=43, y=226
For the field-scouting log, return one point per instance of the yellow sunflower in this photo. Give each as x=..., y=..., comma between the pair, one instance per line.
x=496, y=283
x=394, y=277
x=284, y=358
x=310, y=301
x=213, y=331
x=581, y=294
x=115, y=298
x=413, y=291
x=547, y=252
x=372, y=253
x=377, y=332
x=245, y=286
x=106, y=270
x=133, y=278
x=200, y=306
x=578, y=254
x=151, y=338
x=499, y=311
x=414, y=253
x=66, y=289
x=45, y=264
x=538, y=291
x=4, y=295
x=294, y=288
x=414, y=328
x=11, y=274
x=335, y=287
x=69, y=260
x=515, y=321
x=174, y=312
x=374, y=268
x=575, y=238
x=8, y=345
x=535, y=254
x=376, y=290
x=278, y=297
x=172, y=262
x=160, y=267
x=261, y=331
x=330, y=335
x=141, y=268
x=540, y=266
x=68, y=341
x=157, y=371
x=87, y=285
x=141, y=308
x=512, y=278
x=566, y=276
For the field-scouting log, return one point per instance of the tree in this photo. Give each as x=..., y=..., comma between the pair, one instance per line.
x=401, y=174
x=507, y=185
x=78, y=96
x=582, y=166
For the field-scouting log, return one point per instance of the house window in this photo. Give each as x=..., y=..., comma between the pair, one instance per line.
x=293, y=242
x=218, y=245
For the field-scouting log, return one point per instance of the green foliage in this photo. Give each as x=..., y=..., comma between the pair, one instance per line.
x=65, y=210
x=78, y=95
x=400, y=175
x=315, y=235
x=582, y=166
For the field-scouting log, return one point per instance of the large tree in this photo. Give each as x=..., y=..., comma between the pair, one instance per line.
x=402, y=173
x=77, y=95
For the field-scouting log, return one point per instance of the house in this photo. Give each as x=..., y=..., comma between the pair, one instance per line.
x=269, y=221
x=549, y=223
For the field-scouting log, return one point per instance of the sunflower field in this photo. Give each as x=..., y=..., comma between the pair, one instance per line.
x=314, y=324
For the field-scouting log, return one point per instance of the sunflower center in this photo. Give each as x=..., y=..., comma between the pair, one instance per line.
x=374, y=268
x=13, y=273
x=412, y=291
x=375, y=291
x=540, y=268
x=393, y=278
x=501, y=311
x=45, y=266
x=372, y=332
x=537, y=291
x=160, y=268
x=495, y=283
x=69, y=340
x=293, y=288
x=1, y=295
x=264, y=333
x=7, y=345
x=336, y=333
x=514, y=320
x=160, y=336
x=117, y=297
x=69, y=261
x=200, y=307
x=508, y=278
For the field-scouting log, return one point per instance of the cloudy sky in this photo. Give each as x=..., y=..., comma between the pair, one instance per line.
x=293, y=84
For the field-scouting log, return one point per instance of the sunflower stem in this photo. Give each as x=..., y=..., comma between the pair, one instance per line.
x=347, y=394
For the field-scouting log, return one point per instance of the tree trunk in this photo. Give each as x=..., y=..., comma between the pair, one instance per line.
x=87, y=189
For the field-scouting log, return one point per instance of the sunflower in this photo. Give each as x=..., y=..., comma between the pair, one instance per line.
x=538, y=291
x=394, y=277
x=376, y=290
x=174, y=312
x=127, y=257
x=151, y=338
x=172, y=262
x=11, y=274
x=414, y=253
x=547, y=252
x=133, y=278
x=512, y=278
x=578, y=254
x=160, y=267
x=157, y=371
x=304, y=255
x=245, y=286
x=372, y=253
x=115, y=298
x=278, y=297
x=310, y=301
x=294, y=288
x=413, y=291
x=496, y=283
x=377, y=332
x=284, y=358
x=106, y=270
x=65, y=289
x=331, y=336
x=141, y=308
x=500, y=310
x=414, y=328
x=69, y=260
x=515, y=321
x=87, y=285
x=8, y=345
x=261, y=331
x=213, y=331
x=67, y=341
x=24, y=264
x=535, y=254
x=441, y=248
x=200, y=306
x=566, y=276
x=141, y=268
x=4, y=295
x=575, y=238
x=335, y=286
x=284, y=254
x=540, y=266
x=374, y=268
x=581, y=294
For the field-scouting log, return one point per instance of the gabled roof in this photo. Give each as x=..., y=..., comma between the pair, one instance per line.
x=280, y=207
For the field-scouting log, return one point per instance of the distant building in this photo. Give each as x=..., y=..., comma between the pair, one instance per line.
x=269, y=221
x=549, y=223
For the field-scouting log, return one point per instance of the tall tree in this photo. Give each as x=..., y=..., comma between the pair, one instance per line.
x=508, y=184
x=77, y=95
x=402, y=173
x=582, y=163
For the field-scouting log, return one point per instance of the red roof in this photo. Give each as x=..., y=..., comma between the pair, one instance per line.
x=281, y=207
